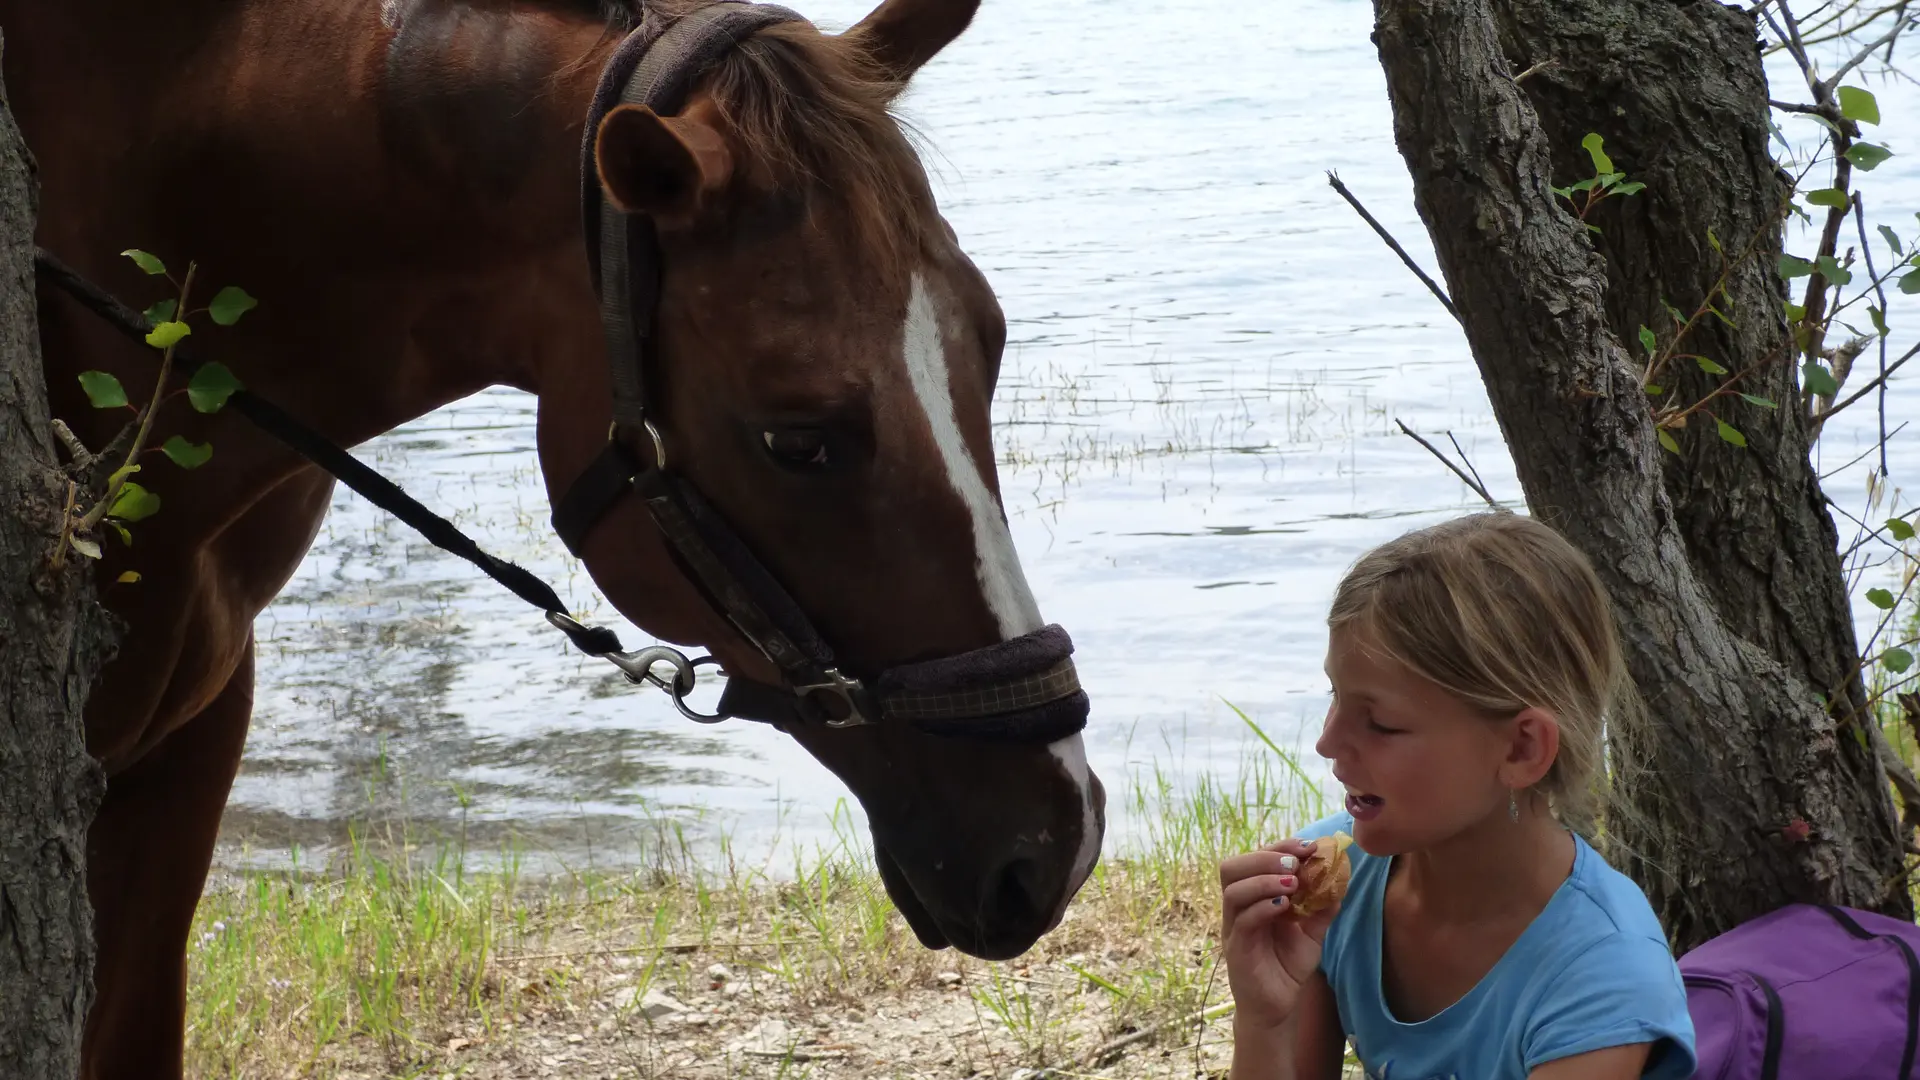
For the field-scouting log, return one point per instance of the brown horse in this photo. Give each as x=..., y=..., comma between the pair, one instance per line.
x=398, y=182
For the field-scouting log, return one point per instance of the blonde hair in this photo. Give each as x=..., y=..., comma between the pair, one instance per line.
x=1503, y=613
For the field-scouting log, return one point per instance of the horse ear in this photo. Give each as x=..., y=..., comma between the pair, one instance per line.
x=904, y=34
x=664, y=167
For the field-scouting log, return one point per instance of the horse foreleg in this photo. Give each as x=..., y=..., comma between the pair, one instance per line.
x=148, y=853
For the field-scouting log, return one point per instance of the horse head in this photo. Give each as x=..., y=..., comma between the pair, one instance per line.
x=819, y=361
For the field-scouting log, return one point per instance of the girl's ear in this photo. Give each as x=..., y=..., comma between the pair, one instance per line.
x=1533, y=743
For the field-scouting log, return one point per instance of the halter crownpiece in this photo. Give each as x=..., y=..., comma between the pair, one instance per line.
x=1023, y=691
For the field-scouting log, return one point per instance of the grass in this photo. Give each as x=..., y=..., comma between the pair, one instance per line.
x=397, y=962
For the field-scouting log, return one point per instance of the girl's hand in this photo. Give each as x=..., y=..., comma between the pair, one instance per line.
x=1271, y=952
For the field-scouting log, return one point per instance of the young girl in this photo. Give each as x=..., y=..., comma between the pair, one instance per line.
x=1473, y=665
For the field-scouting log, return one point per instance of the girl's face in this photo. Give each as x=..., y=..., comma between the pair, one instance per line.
x=1420, y=766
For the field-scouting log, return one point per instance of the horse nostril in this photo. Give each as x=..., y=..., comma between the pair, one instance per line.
x=1013, y=901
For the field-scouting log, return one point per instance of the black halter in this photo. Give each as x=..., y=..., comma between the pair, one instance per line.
x=1023, y=690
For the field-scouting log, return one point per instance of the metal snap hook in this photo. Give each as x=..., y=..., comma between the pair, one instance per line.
x=638, y=667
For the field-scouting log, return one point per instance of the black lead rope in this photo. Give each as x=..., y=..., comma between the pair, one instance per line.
x=370, y=485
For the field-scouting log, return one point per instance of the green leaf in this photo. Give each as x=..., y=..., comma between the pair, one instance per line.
x=1833, y=197
x=185, y=454
x=1858, y=105
x=1584, y=185
x=1730, y=433
x=1679, y=318
x=1893, y=241
x=1722, y=316
x=1791, y=267
x=89, y=548
x=160, y=312
x=105, y=391
x=1831, y=269
x=229, y=304
x=145, y=261
x=1666, y=440
x=1648, y=342
x=1866, y=156
x=1634, y=188
x=1795, y=313
x=128, y=577
x=1601, y=162
x=1709, y=366
x=1565, y=193
x=1910, y=282
x=1714, y=242
x=1897, y=659
x=211, y=386
x=1879, y=320
x=1755, y=399
x=168, y=334
x=1655, y=388
x=1818, y=380
x=1900, y=528
x=135, y=503
x=1880, y=598
x=121, y=473
x=120, y=530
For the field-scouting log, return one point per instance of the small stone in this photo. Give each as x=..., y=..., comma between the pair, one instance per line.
x=948, y=978
x=733, y=989
x=454, y=1046
x=718, y=974
x=653, y=1005
x=576, y=1038
x=768, y=1036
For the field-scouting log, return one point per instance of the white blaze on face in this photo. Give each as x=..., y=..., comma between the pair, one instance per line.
x=1072, y=754
x=996, y=565
x=1002, y=582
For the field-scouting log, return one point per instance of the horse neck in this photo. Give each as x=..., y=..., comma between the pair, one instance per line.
x=424, y=156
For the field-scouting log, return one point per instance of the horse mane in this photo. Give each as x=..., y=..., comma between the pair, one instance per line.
x=815, y=111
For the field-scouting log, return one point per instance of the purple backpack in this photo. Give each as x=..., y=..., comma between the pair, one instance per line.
x=1807, y=993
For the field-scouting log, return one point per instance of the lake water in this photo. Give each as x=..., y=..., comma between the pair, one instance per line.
x=1208, y=352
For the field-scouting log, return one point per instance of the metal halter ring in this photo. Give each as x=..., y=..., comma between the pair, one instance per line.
x=653, y=433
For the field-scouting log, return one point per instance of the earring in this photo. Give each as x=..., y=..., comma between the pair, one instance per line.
x=1513, y=806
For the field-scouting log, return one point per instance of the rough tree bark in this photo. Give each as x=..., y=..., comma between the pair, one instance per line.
x=53, y=639
x=1737, y=792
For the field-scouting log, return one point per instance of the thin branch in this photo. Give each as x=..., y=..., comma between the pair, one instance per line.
x=1541, y=66
x=1862, y=456
x=1880, y=291
x=1899, y=27
x=1471, y=481
x=77, y=450
x=1106, y=1052
x=1380, y=229
x=1461, y=450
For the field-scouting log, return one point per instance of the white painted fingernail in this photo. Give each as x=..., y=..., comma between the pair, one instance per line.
x=1289, y=864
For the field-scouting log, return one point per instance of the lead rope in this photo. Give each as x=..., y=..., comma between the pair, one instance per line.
x=597, y=641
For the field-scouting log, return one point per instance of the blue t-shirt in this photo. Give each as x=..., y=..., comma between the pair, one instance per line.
x=1591, y=971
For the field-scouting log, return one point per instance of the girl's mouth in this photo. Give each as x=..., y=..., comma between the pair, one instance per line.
x=1364, y=807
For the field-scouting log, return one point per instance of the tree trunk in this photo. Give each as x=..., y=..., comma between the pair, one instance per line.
x=52, y=643
x=1737, y=792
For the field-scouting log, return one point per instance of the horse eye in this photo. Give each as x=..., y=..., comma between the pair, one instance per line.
x=799, y=447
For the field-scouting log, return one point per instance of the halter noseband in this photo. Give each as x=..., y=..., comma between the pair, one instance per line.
x=1024, y=690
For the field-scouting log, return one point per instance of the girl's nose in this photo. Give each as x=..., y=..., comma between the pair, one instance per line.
x=1327, y=745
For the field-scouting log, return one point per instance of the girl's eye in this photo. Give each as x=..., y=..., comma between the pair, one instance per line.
x=804, y=448
x=1381, y=729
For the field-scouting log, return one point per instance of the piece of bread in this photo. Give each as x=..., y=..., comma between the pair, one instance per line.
x=1324, y=875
